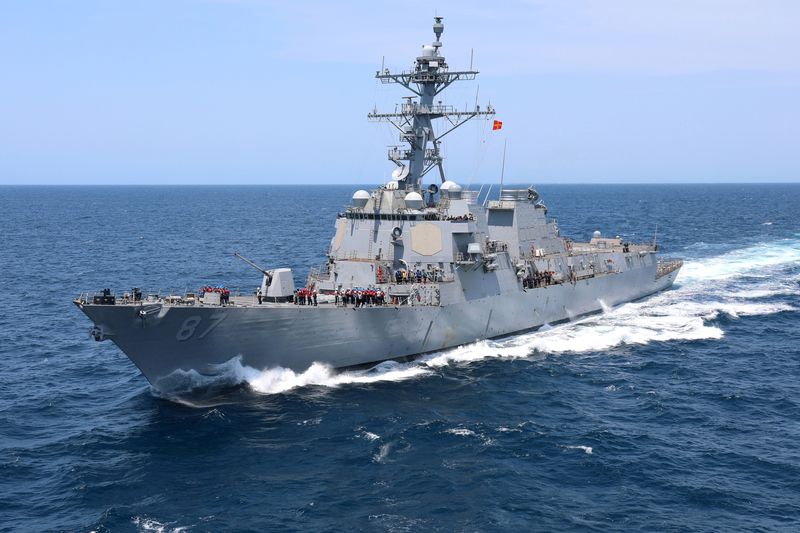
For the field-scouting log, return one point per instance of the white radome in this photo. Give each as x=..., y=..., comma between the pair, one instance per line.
x=360, y=198
x=451, y=186
x=413, y=200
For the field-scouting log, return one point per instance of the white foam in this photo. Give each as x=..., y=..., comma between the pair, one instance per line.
x=461, y=432
x=150, y=525
x=755, y=293
x=368, y=435
x=382, y=454
x=586, y=449
x=275, y=380
x=756, y=259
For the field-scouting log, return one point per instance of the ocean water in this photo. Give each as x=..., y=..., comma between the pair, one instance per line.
x=678, y=412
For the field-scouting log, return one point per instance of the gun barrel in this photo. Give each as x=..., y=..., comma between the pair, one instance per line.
x=252, y=264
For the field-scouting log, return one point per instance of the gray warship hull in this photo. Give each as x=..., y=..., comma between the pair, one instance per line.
x=295, y=337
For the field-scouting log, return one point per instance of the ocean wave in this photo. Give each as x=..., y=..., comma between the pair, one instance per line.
x=760, y=258
x=149, y=525
x=705, y=289
x=586, y=449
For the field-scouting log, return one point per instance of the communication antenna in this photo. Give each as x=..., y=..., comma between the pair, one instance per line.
x=655, y=235
x=503, y=168
x=413, y=119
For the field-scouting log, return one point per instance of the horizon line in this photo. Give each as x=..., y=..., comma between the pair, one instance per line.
x=797, y=182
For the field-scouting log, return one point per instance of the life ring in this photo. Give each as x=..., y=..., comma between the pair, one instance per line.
x=397, y=232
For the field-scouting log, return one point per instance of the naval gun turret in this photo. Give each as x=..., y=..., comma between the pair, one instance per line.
x=277, y=285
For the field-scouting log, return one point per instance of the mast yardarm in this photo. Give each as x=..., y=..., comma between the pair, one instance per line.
x=414, y=118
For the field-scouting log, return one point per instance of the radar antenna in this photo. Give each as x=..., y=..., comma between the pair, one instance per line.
x=414, y=117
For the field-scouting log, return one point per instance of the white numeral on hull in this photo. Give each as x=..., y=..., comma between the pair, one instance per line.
x=189, y=326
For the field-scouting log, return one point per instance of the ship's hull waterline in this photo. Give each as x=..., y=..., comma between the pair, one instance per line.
x=185, y=338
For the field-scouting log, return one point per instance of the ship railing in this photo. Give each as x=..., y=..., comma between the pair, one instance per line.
x=158, y=296
x=665, y=267
x=399, y=155
x=440, y=214
x=414, y=294
x=319, y=273
x=496, y=246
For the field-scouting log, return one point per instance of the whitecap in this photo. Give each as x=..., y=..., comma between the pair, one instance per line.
x=149, y=525
x=363, y=433
x=461, y=432
x=586, y=449
x=382, y=454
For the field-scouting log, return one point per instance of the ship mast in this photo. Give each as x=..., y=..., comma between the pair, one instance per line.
x=413, y=119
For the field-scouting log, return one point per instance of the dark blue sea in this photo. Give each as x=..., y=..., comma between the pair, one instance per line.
x=680, y=412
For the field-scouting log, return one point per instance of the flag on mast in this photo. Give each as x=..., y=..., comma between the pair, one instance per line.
x=498, y=124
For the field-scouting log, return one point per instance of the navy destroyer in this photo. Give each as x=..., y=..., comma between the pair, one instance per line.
x=410, y=268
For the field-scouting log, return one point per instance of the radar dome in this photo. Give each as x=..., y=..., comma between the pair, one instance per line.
x=428, y=51
x=360, y=198
x=413, y=200
x=451, y=186
x=597, y=234
x=451, y=189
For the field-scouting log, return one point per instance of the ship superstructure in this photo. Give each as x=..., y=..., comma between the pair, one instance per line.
x=410, y=268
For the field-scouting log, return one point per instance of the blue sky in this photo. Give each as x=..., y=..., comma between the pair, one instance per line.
x=259, y=91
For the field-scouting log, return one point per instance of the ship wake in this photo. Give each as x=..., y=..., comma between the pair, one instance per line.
x=757, y=280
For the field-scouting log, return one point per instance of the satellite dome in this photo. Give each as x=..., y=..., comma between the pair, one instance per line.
x=428, y=51
x=451, y=186
x=360, y=198
x=400, y=172
x=413, y=200
x=391, y=185
x=597, y=234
